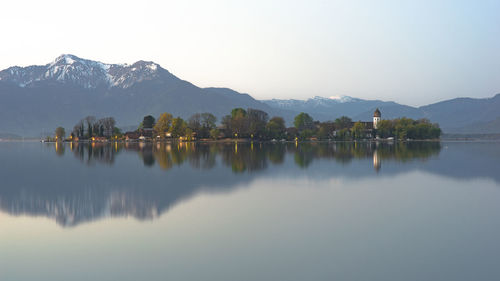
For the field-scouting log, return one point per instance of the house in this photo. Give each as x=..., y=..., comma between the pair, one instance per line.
x=99, y=139
x=147, y=133
x=132, y=136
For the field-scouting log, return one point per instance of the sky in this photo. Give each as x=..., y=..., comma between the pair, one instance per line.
x=411, y=52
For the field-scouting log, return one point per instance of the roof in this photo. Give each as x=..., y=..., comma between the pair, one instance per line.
x=132, y=135
x=376, y=113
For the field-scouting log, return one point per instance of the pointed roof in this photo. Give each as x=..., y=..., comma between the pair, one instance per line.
x=376, y=113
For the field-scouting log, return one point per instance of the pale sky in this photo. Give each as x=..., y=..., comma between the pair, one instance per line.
x=412, y=52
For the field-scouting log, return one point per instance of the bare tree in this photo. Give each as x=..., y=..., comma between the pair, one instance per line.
x=90, y=120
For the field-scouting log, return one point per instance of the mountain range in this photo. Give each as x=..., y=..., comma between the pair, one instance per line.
x=36, y=99
x=460, y=115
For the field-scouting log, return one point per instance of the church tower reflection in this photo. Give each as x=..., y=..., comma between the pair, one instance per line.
x=377, y=163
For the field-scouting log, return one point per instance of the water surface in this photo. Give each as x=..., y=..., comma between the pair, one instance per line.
x=345, y=211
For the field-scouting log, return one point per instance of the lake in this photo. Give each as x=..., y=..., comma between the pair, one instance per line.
x=227, y=211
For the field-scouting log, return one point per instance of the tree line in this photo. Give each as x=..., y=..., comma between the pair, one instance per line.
x=240, y=123
x=407, y=128
x=90, y=127
x=256, y=124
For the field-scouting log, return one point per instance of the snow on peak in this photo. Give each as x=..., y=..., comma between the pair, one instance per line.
x=145, y=65
x=68, y=68
x=65, y=59
x=341, y=98
x=152, y=66
x=319, y=98
x=337, y=99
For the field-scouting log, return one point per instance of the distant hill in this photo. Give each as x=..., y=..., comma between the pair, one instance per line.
x=358, y=109
x=34, y=100
x=466, y=115
x=491, y=127
x=7, y=136
x=329, y=108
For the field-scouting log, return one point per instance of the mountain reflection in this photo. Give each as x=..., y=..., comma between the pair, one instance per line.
x=144, y=180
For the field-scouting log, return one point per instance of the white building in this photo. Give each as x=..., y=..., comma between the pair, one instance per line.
x=376, y=118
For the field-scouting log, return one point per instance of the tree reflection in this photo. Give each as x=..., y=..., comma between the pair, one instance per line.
x=72, y=197
x=251, y=157
x=96, y=152
x=59, y=148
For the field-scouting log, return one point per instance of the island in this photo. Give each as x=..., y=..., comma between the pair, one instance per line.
x=250, y=125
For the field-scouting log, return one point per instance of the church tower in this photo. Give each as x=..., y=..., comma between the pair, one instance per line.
x=376, y=118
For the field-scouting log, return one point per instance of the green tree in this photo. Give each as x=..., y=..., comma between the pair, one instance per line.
x=343, y=134
x=238, y=112
x=343, y=122
x=276, y=128
x=227, y=126
x=303, y=122
x=178, y=127
x=358, y=130
x=326, y=130
x=117, y=132
x=306, y=134
x=239, y=122
x=208, y=120
x=214, y=133
x=385, y=128
x=194, y=122
x=402, y=127
x=188, y=132
x=257, y=120
x=163, y=124
x=148, y=122
x=207, y=123
x=435, y=132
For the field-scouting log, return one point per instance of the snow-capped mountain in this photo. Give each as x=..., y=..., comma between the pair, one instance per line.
x=36, y=99
x=81, y=72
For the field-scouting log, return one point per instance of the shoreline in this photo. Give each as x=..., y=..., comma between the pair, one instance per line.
x=445, y=138
x=251, y=141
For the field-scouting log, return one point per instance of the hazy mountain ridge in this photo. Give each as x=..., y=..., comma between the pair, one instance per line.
x=461, y=113
x=466, y=115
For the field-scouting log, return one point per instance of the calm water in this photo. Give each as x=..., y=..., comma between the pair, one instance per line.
x=418, y=211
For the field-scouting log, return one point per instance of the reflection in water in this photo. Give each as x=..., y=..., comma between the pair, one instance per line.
x=89, y=153
x=249, y=156
x=113, y=183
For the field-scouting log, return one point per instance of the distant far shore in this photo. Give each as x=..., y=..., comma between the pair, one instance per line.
x=470, y=137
